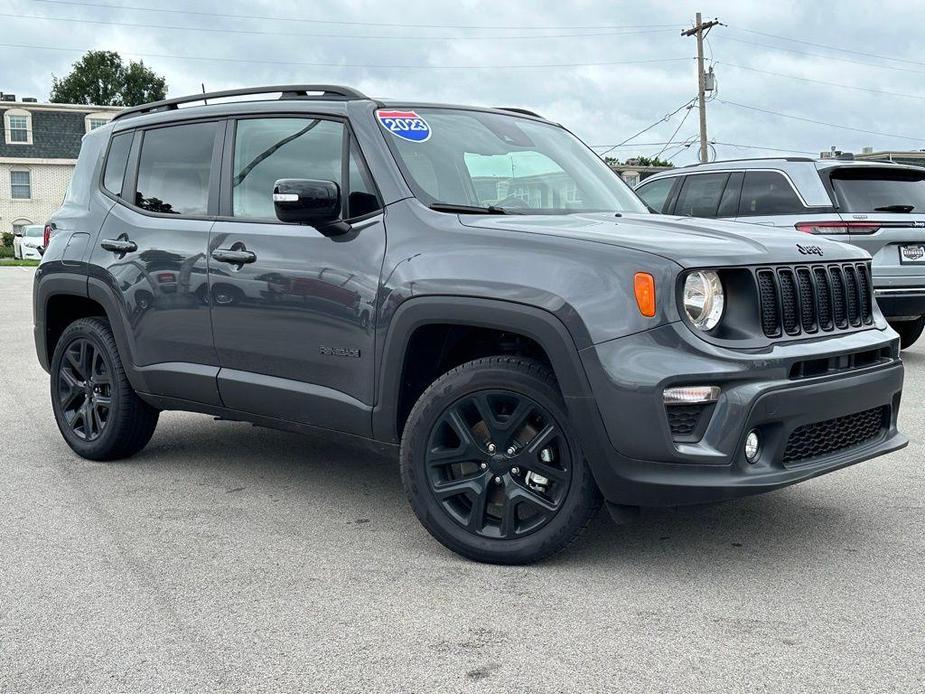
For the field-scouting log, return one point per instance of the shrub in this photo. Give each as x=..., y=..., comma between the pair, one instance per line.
x=7, y=239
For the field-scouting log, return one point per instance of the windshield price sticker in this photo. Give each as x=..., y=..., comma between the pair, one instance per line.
x=405, y=124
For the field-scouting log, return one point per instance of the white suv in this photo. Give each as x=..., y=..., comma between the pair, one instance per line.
x=878, y=206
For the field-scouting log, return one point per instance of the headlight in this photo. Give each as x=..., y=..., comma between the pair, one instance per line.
x=703, y=299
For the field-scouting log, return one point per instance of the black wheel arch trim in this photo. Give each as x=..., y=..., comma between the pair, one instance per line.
x=540, y=325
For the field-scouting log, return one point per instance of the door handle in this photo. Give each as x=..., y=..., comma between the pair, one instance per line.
x=235, y=257
x=119, y=245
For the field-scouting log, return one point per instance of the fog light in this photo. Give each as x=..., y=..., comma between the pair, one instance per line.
x=752, y=446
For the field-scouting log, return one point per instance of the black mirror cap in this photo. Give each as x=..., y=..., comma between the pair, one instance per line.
x=307, y=201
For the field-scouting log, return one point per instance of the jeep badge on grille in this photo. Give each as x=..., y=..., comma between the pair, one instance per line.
x=809, y=250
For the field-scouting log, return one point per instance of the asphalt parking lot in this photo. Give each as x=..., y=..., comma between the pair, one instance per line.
x=231, y=558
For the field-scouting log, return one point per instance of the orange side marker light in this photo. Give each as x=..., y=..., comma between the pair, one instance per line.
x=644, y=288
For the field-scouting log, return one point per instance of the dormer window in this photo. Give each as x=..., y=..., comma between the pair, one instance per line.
x=17, y=127
x=92, y=121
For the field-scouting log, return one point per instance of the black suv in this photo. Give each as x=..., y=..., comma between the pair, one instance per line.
x=473, y=285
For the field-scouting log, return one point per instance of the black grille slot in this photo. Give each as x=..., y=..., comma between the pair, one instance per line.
x=788, y=302
x=854, y=301
x=823, y=438
x=803, y=299
x=839, y=310
x=824, y=297
x=866, y=295
x=770, y=313
x=807, y=300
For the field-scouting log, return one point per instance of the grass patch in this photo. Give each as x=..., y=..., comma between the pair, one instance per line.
x=16, y=262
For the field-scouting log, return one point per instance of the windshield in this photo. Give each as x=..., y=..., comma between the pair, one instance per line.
x=506, y=163
x=879, y=190
x=33, y=231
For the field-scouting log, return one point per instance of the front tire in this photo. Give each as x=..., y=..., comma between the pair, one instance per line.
x=98, y=413
x=909, y=331
x=491, y=465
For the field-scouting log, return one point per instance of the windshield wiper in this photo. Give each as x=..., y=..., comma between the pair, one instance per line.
x=895, y=208
x=466, y=209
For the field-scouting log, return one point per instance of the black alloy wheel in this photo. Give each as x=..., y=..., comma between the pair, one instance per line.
x=98, y=412
x=492, y=466
x=84, y=389
x=499, y=464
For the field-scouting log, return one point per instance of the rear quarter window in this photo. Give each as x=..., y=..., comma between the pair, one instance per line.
x=768, y=193
x=114, y=172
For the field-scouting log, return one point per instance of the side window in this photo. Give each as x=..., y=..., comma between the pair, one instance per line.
x=701, y=194
x=174, y=169
x=268, y=149
x=767, y=193
x=114, y=173
x=362, y=198
x=729, y=203
x=656, y=193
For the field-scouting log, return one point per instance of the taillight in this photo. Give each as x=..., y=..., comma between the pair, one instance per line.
x=837, y=227
x=46, y=237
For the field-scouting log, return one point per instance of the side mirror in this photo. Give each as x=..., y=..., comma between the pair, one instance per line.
x=307, y=201
x=17, y=232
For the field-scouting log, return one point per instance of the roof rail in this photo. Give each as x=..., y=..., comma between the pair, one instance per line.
x=730, y=161
x=522, y=111
x=289, y=91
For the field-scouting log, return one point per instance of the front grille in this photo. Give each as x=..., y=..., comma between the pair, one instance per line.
x=822, y=438
x=805, y=299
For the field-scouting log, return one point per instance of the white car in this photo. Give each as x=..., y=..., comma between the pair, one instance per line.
x=27, y=246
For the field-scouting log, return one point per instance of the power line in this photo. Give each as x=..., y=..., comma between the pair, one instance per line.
x=403, y=25
x=676, y=130
x=831, y=48
x=647, y=128
x=770, y=149
x=822, y=55
x=635, y=144
x=351, y=65
x=255, y=32
x=831, y=84
x=819, y=122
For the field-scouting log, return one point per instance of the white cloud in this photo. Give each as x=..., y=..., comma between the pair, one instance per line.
x=602, y=104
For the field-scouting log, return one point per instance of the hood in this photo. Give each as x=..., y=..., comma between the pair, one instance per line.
x=688, y=241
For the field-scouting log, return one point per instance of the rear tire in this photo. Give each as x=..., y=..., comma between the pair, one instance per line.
x=491, y=465
x=98, y=412
x=909, y=331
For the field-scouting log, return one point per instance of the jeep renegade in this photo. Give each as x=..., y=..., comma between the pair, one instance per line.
x=472, y=286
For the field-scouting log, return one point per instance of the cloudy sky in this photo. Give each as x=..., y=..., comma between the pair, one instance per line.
x=605, y=68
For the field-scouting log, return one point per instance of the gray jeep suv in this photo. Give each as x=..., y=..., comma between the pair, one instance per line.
x=877, y=206
x=472, y=288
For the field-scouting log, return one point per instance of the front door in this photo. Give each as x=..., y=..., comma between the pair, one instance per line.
x=294, y=323
x=152, y=252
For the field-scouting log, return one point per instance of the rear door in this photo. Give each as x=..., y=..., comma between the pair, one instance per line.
x=771, y=199
x=152, y=252
x=294, y=326
x=885, y=208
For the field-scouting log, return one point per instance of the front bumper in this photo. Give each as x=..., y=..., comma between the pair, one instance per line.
x=637, y=461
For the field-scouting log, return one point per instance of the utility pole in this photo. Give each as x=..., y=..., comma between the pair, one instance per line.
x=700, y=30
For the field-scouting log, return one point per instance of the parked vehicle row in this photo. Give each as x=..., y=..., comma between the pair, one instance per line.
x=877, y=206
x=472, y=288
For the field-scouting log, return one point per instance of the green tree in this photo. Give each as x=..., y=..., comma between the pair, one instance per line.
x=101, y=78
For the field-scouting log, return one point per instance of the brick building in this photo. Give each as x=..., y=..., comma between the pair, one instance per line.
x=38, y=151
